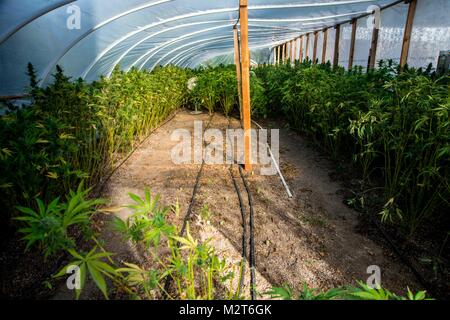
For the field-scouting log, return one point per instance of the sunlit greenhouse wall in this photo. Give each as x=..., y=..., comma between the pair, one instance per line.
x=362, y=43
x=431, y=32
x=390, y=39
x=344, y=44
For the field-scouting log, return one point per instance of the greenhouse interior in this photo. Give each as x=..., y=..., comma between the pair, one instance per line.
x=225, y=150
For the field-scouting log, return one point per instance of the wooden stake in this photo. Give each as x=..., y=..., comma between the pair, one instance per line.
x=278, y=54
x=407, y=34
x=292, y=51
x=336, y=45
x=295, y=49
x=301, y=49
x=237, y=62
x=373, y=48
x=316, y=39
x=307, y=47
x=352, y=44
x=324, y=48
x=245, y=62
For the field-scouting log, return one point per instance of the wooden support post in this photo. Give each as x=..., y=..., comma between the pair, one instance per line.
x=274, y=55
x=352, y=44
x=245, y=62
x=285, y=52
x=301, y=49
x=316, y=40
x=324, y=48
x=336, y=45
x=307, y=47
x=295, y=49
x=282, y=53
x=407, y=34
x=373, y=48
x=237, y=62
x=292, y=51
x=278, y=54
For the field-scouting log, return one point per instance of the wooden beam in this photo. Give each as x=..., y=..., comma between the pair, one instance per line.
x=301, y=49
x=237, y=62
x=352, y=44
x=336, y=45
x=285, y=52
x=278, y=54
x=292, y=51
x=316, y=40
x=274, y=55
x=245, y=62
x=373, y=48
x=295, y=49
x=282, y=52
x=324, y=48
x=407, y=34
x=307, y=47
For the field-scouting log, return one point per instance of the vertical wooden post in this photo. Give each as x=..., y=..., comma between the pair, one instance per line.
x=316, y=39
x=336, y=45
x=307, y=47
x=352, y=44
x=301, y=49
x=274, y=55
x=282, y=53
x=292, y=51
x=373, y=48
x=245, y=62
x=285, y=52
x=324, y=48
x=295, y=49
x=407, y=34
x=237, y=62
x=278, y=54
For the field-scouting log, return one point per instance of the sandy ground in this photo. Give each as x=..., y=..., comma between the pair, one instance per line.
x=310, y=238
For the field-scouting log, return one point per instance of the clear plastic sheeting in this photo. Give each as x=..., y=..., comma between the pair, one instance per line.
x=344, y=44
x=431, y=32
x=390, y=39
x=363, y=40
x=89, y=38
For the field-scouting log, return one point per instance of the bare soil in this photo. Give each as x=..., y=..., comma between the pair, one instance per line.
x=311, y=238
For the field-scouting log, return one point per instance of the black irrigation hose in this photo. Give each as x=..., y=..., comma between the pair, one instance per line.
x=189, y=209
x=252, y=236
x=102, y=187
x=122, y=162
x=244, y=231
x=402, y=257
x=244, y=223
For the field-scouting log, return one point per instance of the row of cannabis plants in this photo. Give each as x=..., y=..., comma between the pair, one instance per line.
x=55, y=150
x=74, y=131
x=394, y=126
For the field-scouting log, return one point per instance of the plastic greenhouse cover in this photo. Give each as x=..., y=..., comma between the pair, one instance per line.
x=88, y=38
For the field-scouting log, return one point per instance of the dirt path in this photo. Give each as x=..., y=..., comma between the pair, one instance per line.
x=310, y=238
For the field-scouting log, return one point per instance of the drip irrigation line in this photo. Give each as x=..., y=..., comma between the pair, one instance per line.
x=244, y=222
x=122, y=162
x=252, y=236
x=402, y=257
x=189, y=209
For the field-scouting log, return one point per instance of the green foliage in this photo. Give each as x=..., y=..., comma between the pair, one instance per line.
x=49, y=226
x=91, y=264
x=363, y=292
x=76, y=131
x=193, y=267
x=391, y=125
x=215, y=87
